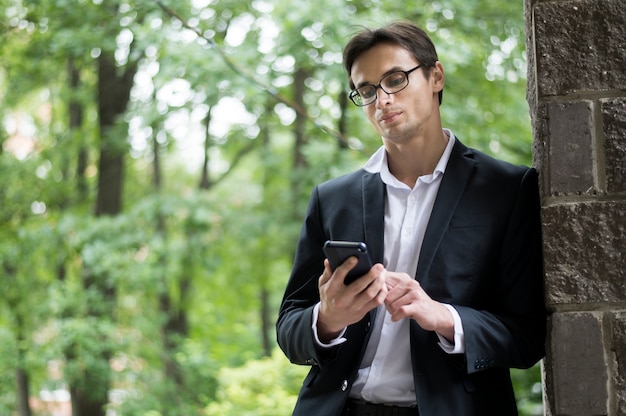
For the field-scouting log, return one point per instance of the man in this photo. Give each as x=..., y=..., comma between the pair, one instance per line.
x=455, y=298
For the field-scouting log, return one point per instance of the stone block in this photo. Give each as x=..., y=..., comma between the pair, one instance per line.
x=570, y=144
x=578, y=369
x=580, y=46
x=618, y=347
x=614, y=122
x=540, y=148
x=584, y=249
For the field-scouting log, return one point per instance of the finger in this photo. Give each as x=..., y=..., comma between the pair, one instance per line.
x=382, y=294
x=399, y=306
x=392, y=279
x=398, y=297
x=391, y=298
x=326, y=274
x=399, y=315
x=368, y=279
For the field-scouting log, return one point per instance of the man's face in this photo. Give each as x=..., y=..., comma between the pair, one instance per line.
x=408, y=113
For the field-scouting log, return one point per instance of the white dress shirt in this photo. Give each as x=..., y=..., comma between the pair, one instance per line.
x=385, y=374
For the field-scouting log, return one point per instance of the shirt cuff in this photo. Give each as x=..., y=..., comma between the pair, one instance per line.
x=458, y=347
x=339, y=340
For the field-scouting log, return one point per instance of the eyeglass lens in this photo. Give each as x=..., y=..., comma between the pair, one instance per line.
x=391, y=84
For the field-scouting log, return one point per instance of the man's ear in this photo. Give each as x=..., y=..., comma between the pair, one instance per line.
x=438, y=77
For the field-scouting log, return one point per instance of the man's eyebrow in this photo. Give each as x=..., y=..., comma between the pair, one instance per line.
x=387, y=72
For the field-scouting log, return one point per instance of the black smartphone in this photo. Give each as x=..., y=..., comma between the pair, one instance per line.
x=339, y=251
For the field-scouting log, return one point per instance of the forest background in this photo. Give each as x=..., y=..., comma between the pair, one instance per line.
x=156, y=161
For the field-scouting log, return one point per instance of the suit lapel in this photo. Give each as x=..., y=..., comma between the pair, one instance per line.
x=374, y=214
x=458, y=171
x=374, y=221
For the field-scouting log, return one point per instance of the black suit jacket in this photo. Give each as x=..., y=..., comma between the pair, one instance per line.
x=481, y=253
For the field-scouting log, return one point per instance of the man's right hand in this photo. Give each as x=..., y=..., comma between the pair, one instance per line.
x=342, y=305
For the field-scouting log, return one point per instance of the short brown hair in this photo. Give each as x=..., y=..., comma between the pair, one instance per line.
x=402, y=33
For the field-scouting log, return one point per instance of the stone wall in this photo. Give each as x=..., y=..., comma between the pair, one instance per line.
x=577, y=97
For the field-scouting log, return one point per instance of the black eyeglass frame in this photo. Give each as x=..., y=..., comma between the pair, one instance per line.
x=355, y=92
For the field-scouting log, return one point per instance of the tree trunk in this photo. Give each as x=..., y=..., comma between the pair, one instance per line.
x=21, y=376
x=205, y=180
x=174, y=330
x=112, y=101
x=174, y=327
x=89, y=394
x=299, y=159
x=171, y=332
x=299, y=87
x=266, y=321
x=343, y=119
x=75, y=123
x=23, y=392
x=88, y=403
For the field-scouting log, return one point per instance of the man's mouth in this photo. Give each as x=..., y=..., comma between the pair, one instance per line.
x=389, y=117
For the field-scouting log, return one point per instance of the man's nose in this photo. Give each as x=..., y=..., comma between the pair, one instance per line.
x=383, y=97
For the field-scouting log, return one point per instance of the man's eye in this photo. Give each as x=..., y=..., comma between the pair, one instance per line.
x=394, y=80
x=367, y=92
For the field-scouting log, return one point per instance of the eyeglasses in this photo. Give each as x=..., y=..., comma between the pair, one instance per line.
x=390, y=83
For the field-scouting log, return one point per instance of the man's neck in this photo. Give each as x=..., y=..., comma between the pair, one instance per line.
x=408, y=161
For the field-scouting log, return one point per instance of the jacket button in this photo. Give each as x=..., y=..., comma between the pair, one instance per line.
x=344, y=385
x=311, y=361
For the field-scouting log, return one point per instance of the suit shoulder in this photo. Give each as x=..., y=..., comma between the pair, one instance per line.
x=498, y=166
x=344, y=182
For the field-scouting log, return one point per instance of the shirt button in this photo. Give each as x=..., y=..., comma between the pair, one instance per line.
x=344, y=385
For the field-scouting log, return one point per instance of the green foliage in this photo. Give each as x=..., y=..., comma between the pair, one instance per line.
x=8, y=361
x=105, y=293
x=528, y=390
x=266, y=387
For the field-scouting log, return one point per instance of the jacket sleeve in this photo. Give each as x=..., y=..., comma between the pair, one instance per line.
x=293, y=327
x=511, y=332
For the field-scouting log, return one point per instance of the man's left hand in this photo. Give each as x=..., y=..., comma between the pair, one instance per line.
x=407, y=299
